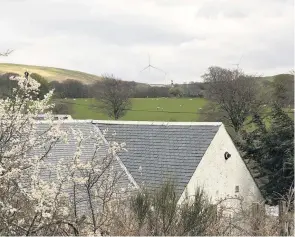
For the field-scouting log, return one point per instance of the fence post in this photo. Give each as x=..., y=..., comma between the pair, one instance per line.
x=255, y=217
x=230, y=224
x=283, y=218
x=215, y=211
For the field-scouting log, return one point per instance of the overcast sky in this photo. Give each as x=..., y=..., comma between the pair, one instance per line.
x=183, y=37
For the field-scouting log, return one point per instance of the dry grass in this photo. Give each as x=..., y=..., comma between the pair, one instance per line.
x=50, y=73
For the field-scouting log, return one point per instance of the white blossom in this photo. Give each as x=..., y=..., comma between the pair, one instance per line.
x=28, y=201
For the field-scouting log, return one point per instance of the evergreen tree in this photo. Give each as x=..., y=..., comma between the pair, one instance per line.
x=272, y=150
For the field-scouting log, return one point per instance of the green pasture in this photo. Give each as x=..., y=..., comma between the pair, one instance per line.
x=143, y=109
x=153, y=109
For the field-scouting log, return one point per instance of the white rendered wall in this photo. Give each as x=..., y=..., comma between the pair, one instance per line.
x=219, y=177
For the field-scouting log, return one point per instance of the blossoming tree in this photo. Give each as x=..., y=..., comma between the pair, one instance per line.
x=32, y=205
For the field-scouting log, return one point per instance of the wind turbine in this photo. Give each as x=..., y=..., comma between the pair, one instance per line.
x=238, y=64
x=149, y=66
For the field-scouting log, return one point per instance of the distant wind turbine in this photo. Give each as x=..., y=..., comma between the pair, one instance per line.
x=149, y=66
x=238, y=64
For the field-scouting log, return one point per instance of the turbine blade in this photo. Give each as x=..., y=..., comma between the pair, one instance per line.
x=158, y=69
x=145, y=68
x=241, y=59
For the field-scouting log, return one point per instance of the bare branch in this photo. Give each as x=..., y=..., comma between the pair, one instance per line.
x=114, y=96
x=5, y=54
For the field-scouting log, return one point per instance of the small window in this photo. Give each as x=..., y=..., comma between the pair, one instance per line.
x=237, y=189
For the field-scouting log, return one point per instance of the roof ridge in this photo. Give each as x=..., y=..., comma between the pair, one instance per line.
x=64, y=121
x=131, y=122
x=157, y=123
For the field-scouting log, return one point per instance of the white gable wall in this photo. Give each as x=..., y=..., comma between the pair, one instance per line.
x=219, y=177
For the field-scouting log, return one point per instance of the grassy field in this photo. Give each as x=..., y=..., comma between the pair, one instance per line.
x=144, y=109
x=49, y=73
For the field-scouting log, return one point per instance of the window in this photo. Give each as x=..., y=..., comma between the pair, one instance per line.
x=237, y=189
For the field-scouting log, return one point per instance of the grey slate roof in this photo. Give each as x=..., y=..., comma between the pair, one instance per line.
x=66, y=151
x=158, y=153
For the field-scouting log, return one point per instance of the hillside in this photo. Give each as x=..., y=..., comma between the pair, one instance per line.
x=50, y=73
x=59, y=74
x=271, y=78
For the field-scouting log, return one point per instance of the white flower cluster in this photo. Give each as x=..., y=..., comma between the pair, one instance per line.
x=30, y=204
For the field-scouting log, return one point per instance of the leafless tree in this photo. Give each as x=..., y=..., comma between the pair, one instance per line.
x=114, y=96
x=235, y=93
x=96, y=184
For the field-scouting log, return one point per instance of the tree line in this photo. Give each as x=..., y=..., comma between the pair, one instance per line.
x=75, y=89
x=110, y=90
x=281, y=87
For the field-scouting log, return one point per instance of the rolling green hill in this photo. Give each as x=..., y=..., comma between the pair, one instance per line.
x=271, y=78
x=59, y=74
x=50, y=73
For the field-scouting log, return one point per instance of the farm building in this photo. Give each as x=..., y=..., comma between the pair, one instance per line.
x=189, y=154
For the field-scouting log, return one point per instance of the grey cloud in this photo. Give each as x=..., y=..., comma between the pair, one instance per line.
x=100, y=36
x=276, y=56
x=12, y=1
x=172, y=2
x=235, y=14
x=208, y=12
x=15, y=43
x=216, y=9
x=113, y=32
